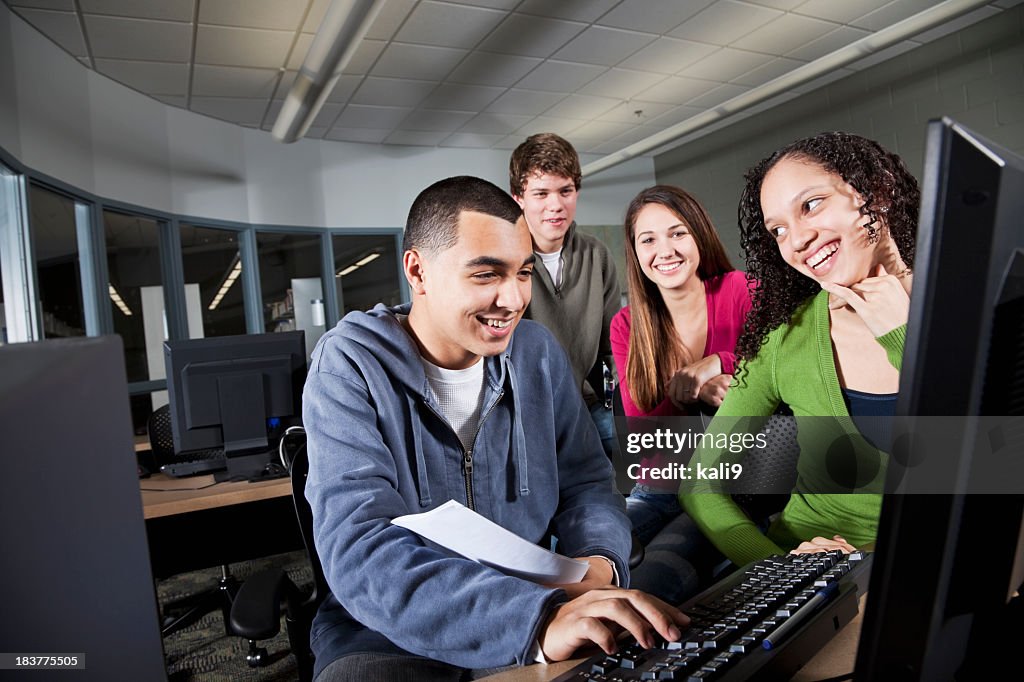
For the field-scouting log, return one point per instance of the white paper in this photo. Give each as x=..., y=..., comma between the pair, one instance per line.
x=467, y=533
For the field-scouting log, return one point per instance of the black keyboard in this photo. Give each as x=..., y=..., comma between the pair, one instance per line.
x=196, y=462
x=762, y=622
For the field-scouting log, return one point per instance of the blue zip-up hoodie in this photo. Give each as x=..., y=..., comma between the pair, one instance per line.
x=378, y=449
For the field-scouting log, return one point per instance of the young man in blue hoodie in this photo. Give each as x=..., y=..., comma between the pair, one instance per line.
x=452, y=397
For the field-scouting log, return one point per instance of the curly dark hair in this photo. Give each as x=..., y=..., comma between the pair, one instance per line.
x=891, y=198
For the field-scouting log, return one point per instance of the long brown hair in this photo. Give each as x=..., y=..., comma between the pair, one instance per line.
x=655, y=351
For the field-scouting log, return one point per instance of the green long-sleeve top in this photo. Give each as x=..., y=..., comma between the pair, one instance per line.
x=796, y=366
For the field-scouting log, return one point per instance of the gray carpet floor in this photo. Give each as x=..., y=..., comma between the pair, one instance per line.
x=203, y=652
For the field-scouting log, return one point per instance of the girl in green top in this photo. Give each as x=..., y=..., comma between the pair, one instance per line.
x=828, y=226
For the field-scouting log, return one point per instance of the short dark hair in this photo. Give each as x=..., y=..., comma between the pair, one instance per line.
x=543, y=153
x=433, y=223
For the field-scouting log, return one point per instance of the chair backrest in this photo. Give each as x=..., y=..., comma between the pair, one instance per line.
x=299, y=470
x=769, y=472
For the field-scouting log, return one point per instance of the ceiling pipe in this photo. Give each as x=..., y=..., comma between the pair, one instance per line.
x=866, y=46
x=341, y=31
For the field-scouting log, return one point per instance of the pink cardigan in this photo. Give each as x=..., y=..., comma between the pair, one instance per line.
x=728, y=303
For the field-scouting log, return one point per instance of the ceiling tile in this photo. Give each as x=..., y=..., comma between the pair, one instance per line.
x=509, y=142
x=784, y=5
x=272, y=14
x=892, y=13
x=582, y=107
x=365, y=56
x=85, y=61
x=472, y=140
x=357, y=116
x=317, y=10
x=724, y=65
x=525, y=102
x=152, y=78
x=415, y=138
x=506, y=5
x=233, y=81
x=773, y=68
x=495, y=124
x=550, y=124
x=716, y=96
x=159, y=41
x=654, y=16
x=677, y=90
x=531, y=36
x=606, y=46
x=60, y=27
x=555, y=76
x=578, y=10
x=228, y=46
x=356, y=135
x=171, y=10
x=324, y=117
x=830, y=42
x=621, y=83
x=487, y=68
x=447, y=25
x=387, y=22
x=841, y=12
x=724, y=22
x=299, y=51
x=448, y=121
x=786, y=33
x=242, y=111
x=344, y=88
x=462, y=97
x=393, y=92
x=417, y=61
x=677, y=115
x=626, y=112
x=66, y=5
x=667, y=55
x=598, y=130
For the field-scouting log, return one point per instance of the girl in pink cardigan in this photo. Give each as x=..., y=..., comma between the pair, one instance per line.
x=673, y=348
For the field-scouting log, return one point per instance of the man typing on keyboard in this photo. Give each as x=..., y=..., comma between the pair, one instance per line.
x=453, y=397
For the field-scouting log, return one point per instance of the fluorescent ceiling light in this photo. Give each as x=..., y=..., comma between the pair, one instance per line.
x=369, y=258
x=229, y=279
x=337, y=39
x=118, y=301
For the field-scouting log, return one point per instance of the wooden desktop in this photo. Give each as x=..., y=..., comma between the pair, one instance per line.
x=195, y=522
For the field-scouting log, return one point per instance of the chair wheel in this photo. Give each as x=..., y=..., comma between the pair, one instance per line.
x=257, y=657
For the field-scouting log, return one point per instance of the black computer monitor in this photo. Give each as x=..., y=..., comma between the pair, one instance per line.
x=949, y=554
x=235, y=392
x=76, y=576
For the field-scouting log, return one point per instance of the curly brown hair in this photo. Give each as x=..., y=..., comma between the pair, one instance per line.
x=891, y=201
x=543, y=153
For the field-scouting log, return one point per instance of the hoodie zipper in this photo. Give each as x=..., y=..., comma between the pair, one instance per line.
x=467, y=453
x=467, y=456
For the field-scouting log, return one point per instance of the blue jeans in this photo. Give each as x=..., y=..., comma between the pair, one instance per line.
x=602, y=417
x=678, y=559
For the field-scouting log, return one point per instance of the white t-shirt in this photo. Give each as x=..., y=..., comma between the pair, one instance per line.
x=460, y=396
x=553, y=262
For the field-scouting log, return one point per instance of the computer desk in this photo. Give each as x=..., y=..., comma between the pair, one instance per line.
x=195, y=523
x=836, y=658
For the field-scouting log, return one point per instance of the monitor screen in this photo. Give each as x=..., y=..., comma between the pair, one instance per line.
x=235, y=393
x=948, y=556
x=76, y=573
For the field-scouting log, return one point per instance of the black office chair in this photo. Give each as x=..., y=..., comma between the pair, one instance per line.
x=256, y=614
x=183, y=612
